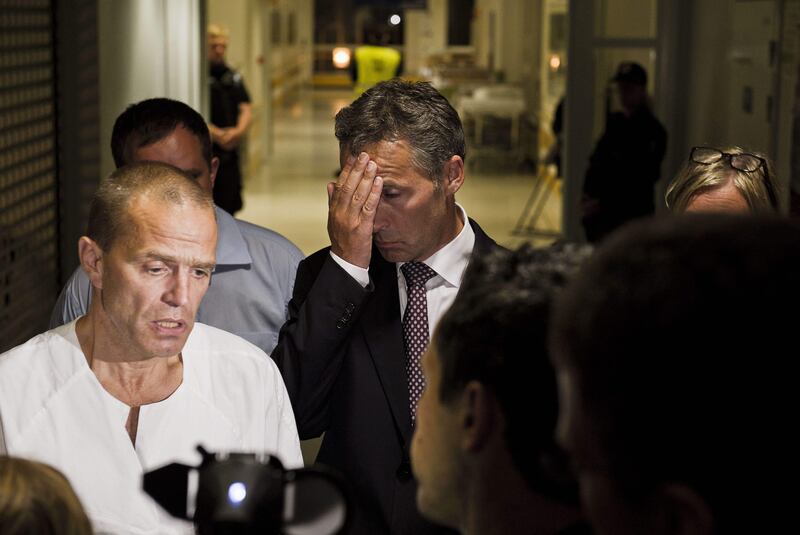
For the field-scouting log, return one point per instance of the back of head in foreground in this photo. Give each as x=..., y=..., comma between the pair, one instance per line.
x=671, y=351
x=489, y=359
x=36, y=499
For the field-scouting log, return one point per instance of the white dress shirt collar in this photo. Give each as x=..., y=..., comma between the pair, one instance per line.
x=451, y=261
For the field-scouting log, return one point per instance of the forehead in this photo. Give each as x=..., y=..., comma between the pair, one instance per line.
x=181, y=228
x=180, y=148
x=394, y=161
x=725, y=198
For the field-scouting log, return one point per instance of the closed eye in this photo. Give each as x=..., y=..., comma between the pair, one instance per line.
x=156, y=270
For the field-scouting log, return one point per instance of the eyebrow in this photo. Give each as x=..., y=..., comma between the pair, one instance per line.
x=151, y=255
x=391, y=183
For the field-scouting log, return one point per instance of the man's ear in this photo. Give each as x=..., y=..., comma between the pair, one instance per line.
x=91, y=257
x=453, y=175
x=213, y=171
x=682, y=511
x=477, y=417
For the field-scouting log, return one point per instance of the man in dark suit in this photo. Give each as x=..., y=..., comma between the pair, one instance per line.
x=363, y=309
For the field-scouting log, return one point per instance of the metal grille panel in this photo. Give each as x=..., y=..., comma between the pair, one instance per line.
x=28, y=188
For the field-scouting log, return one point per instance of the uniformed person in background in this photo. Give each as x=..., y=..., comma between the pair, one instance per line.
x=375, y=61
x=230, y=117
x=626, y=163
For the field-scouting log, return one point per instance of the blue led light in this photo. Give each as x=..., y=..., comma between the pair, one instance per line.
x=237, y=492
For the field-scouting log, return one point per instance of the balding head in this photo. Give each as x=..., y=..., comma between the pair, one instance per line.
x=108, y=215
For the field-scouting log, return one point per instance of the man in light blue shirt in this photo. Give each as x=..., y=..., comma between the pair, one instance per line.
x=256, y=267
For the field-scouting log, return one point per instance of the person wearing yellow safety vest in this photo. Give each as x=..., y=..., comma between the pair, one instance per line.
x=374, y=62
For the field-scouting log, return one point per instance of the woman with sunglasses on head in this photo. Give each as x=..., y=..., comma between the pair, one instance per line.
x=724, y=180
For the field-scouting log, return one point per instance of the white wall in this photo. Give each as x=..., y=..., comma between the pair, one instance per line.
x=730, y=51
x=626, y=18
x=148, y=48
x=426, y=35
x=513, y=41
x=487, y=27
x=292, y=62
x=419, y=24
x=437, y=10
x=507, y=38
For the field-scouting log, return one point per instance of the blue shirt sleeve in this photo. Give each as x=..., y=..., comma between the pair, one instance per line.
x=74, y=299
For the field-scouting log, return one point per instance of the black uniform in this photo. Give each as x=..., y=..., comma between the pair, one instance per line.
x=623, y=170
x=227, y=92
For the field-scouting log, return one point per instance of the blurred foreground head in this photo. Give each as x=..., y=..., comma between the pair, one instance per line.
x=38, y=499
x=673, y=350
x=483, y=449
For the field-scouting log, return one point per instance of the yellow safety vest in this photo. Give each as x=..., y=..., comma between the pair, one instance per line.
x=375, y=64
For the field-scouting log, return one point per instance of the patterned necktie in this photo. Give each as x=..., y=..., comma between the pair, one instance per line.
x=415, y=328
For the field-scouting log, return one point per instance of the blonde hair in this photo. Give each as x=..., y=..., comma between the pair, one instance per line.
x=218, y=30
x=757, y=187
x=37, y=499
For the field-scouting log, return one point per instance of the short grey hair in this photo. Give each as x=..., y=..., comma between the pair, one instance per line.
x=108, y=213
x=414, y=112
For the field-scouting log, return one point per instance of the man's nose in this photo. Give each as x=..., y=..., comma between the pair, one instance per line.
x=381, y=217
x=177, y=294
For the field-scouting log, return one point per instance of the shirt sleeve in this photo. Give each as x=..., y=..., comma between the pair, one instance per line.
x=288, y=443
x=291, y=272
x=361, y=275
x=241, y=94
x=74, y=300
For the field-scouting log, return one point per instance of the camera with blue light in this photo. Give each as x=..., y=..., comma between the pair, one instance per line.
x=244, y=493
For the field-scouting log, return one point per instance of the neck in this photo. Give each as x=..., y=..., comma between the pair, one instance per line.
x=453, y=228
x=499, y=501
x=133, y=379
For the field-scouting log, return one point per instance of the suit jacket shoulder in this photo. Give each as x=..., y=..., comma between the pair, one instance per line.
x=483, y=243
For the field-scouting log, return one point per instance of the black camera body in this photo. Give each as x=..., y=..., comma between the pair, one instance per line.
x=244, y=493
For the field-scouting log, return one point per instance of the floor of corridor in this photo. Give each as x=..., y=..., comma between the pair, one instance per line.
x=288, y=193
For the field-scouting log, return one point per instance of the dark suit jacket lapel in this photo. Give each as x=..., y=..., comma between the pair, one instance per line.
x=383, y=331
x=483, y=243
